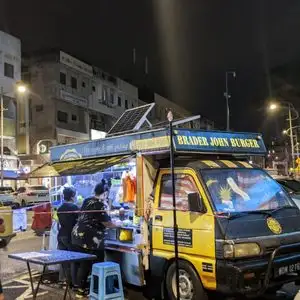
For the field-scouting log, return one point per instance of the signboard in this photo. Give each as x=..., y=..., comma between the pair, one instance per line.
x=184, y=141
x=120, y=145
x=43, y=146
x=184, y=237
x=76, y=64
x=219, y=142
x=76, y=100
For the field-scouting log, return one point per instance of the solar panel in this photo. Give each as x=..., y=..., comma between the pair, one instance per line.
x=132, y=119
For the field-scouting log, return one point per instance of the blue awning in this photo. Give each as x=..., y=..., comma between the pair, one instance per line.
x=9, y=174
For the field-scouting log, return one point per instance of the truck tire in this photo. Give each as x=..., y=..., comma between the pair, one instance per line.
x=190, y=287
x=23, y=203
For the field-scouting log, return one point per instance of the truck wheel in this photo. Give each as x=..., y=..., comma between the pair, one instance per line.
x=190, y=285
x=23, y=203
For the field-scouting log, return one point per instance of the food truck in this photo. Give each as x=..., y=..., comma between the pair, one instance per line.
x=238, y=230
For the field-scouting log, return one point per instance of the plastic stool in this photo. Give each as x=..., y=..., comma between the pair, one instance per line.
x=106, y=282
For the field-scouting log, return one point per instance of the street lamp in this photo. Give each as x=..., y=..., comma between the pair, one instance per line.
x=290, y=107
x=227, y=96
x=20, y=88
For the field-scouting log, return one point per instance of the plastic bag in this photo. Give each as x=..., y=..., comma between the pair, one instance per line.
x=19, y=219
x=53, y=243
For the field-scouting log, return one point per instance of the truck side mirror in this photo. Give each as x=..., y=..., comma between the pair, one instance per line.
x=195, y=203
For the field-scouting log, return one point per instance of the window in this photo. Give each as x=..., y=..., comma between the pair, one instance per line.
x=184, y=185
x=73, y=82
x=74, y=118
x=62, y=78
x=104, y=93
x=126, y=104
x=62, y=116
x=83, y=84
x=39, y=108
x=119, y=101
x=240, y=190
x=112, y=96
x=8, y=70
x=21, y=190
x=94, y=89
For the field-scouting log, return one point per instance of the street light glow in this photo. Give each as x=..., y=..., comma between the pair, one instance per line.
x=22, y=88
x=273, y=106
x=284, y=131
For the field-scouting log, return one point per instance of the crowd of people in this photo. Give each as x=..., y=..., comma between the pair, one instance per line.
x=82, y=230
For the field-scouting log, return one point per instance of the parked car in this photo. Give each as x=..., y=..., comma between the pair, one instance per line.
x=292, y=186
x=7, y=197
x=32, y=194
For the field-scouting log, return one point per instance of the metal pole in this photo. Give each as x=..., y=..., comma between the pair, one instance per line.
x=227, y=104
x=291, y=136
x=175, y=226
x=2, y=135
x=26, y=102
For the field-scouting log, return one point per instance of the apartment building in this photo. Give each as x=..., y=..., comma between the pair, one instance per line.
x=10, y=74
x=69, y=99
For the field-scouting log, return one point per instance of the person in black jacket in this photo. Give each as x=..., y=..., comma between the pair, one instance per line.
x=88, y=233
x=67, y=216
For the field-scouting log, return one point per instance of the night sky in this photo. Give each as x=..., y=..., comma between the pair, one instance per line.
x=189, y=43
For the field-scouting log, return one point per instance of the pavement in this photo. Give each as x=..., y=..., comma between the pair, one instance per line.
x=16, y=284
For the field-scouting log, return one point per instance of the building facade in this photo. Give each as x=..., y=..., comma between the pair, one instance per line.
x=10, y=74
x=68, y=100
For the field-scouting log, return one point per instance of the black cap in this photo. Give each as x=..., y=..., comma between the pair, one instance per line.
x=99, y=189
x=69, y=193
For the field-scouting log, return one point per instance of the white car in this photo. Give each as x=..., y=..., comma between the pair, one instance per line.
x=32, y=194
x=7, y=197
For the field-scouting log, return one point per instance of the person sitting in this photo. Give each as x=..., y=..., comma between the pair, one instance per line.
x=88, y=233
x=67, y=217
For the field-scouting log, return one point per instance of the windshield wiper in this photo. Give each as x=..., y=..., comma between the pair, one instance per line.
x=241, y=214
x=283, y=207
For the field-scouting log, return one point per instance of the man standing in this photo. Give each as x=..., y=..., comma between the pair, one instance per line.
x=2, y=230
x=88, y=233
x=67, y=216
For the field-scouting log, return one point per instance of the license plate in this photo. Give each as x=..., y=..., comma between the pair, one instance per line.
x=288, y=269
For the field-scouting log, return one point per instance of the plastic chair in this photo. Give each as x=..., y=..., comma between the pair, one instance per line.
x=106, y=282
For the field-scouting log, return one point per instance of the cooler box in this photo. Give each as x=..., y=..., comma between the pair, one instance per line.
x=42, y=218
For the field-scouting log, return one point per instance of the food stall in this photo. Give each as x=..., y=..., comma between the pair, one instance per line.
x=235, y=229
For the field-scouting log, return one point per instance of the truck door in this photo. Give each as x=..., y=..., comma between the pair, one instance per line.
x=196, y=233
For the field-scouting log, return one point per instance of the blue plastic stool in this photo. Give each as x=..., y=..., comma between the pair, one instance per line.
x=106, y=282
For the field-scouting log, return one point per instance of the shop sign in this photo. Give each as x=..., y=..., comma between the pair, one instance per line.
x=43, y=147
x=221, y=142
x=10, y=164
x=76, y=64
x=184, y=141
x=76, y=100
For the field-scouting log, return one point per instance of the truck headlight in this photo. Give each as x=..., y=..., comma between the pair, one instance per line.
x=241, y=250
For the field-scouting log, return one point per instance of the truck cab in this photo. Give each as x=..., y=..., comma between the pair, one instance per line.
x=238, y=230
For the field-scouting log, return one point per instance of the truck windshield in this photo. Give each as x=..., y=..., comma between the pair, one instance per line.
x=242, y=190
